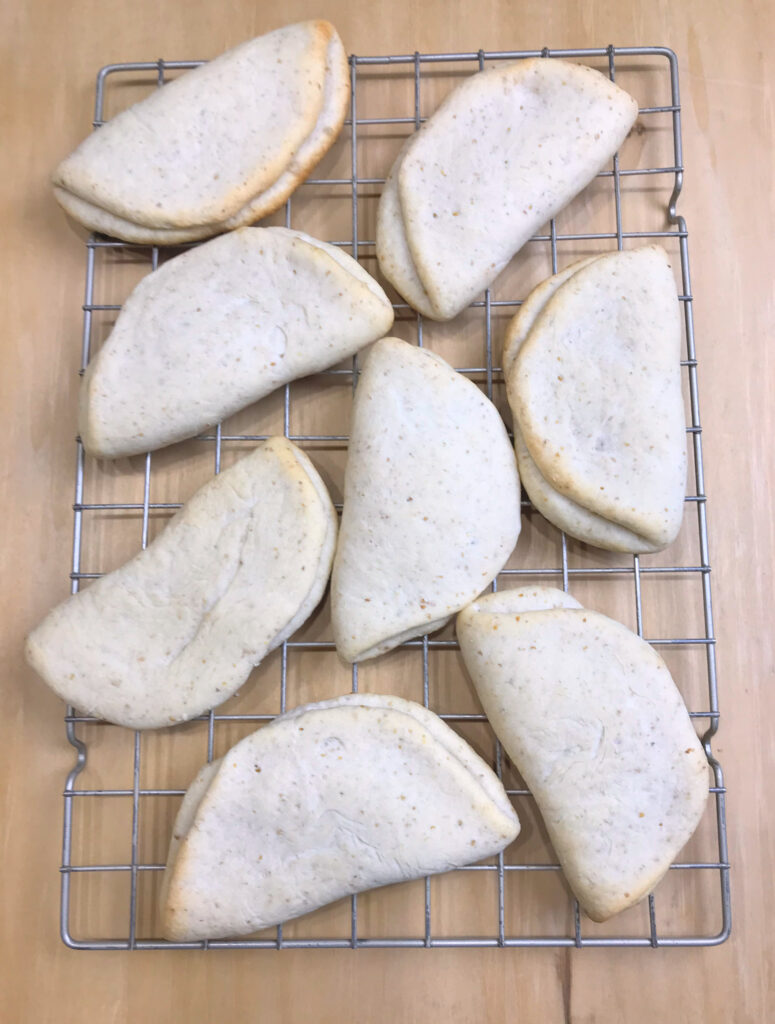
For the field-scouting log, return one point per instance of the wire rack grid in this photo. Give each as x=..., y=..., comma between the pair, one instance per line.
x=579, y=933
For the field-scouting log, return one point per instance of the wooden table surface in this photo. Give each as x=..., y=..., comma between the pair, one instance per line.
x=51, y=53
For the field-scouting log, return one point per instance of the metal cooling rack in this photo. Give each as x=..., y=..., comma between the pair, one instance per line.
x=695, y=504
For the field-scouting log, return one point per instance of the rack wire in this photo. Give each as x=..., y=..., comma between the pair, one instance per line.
x=580, y=933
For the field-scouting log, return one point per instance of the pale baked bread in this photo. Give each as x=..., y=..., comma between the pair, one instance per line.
x=590, y=716
x=593, y=376
x=220, y=327
x=504, y=153
x=178, y=629
x=431, y=501
x=327, y=800
x=217, y=148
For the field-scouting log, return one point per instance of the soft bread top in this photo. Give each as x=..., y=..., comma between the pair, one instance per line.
x=219, y=327
x=219, y=147
x=505, y=152
x=327, y=800
x=590, y=716
x=178, y=629
x=431, y=501
x=593, y=376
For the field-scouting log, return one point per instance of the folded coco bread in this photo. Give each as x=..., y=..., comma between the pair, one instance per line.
x=593, y=376
x=220, y=327
x=217, y=148
x=325, y=801
x=590, y=716
x=178, y=628
x=431, y=501
x=504, y=153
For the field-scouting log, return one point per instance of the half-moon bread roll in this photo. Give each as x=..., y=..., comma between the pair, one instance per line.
x=431, y=501
x=504, y=153
x=220, y=327
x=593, y=376
x=219, y=147
x=590, y=716
x=178, y=629
x=325, y=801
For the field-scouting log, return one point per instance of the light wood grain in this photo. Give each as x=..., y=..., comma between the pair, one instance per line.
x=53, y=51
